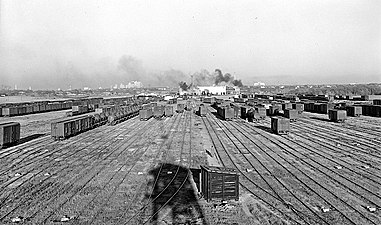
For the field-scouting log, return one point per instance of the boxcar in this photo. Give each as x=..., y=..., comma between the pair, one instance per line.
x=291, y=114
x=158, y=111
x=180, y=108
x=219, y=183
x=210, y=100
x=9, y=133
x=280, y=125
x=67, y=127
x=168, y=110
x=226, y=113
x=145, y=114
x=201, y=110
x=354, y=111
x=377, y=102
x=337, y=115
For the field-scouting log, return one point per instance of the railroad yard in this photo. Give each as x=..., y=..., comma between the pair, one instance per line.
x=137, y=172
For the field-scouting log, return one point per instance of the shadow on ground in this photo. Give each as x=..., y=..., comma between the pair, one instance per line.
x=24, y=140
x=264, y=128
x=321, y=119
x=174, y=199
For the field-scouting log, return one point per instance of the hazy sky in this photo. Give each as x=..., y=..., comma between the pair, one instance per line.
x=56, y=43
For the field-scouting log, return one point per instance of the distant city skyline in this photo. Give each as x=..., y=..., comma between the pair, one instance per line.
x=51, y=44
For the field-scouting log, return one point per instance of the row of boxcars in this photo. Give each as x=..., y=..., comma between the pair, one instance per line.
x=71, y=126
x=18, y=109
x=148, y=111
x=9, y=133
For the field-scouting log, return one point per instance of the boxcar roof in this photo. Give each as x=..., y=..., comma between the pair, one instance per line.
x=9, y=123
x=216, y=169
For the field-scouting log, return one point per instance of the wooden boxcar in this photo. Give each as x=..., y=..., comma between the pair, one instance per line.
x=337, y=115
x=201, y=110
x=354, y=111
x=291, y=114
x=158, y=111
x=280, y=125
x=145, y=114
x=180, y=108
x=210, y=100
x=67, y=127
x=168, y=110
x=377, y=102
x=9, y=133
x=226, y=113
x=219, y=183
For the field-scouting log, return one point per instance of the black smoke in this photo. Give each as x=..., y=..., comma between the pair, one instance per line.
x=227, y=78
x=184, y=86
x=237, y=83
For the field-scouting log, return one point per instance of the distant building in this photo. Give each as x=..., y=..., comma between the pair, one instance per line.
x=134, y=84
x=217, y=90
x=259, y=84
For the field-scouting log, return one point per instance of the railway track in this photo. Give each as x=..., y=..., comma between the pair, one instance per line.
x=288, y=150
x=65, y=168
x=270, y=198
x=134, y=197
x=172, y=180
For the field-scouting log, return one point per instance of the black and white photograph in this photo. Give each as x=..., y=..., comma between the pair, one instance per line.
x=209, y=112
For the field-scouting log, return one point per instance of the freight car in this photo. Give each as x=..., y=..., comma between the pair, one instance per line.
x=158, y=111
x=67, y=127
x=168, y=110
x=286, y=106
x=354, y=111
x=291, y=114
x=210, y=100
x=371, y=110
x=201, y=110
x=337, y=115
x=280, y=125
x=180, y=108
x=145, y=114
x=219, y=183
x=9, y=133
x=225, y=113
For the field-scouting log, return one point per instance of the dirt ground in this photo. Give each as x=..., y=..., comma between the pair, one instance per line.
x=137, y=172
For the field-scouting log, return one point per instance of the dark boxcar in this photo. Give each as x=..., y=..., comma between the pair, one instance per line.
x=354, y=111
x=145, y=114
x=377, y=102
x=225, y=113
x=244, y=110
x=280, y=125
x=291, y=114
x=219, y=183
x=188, y=106
x=202, y=110
x=337, y=115
x=9, y=133
x=168, y=110
x=180, y=108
